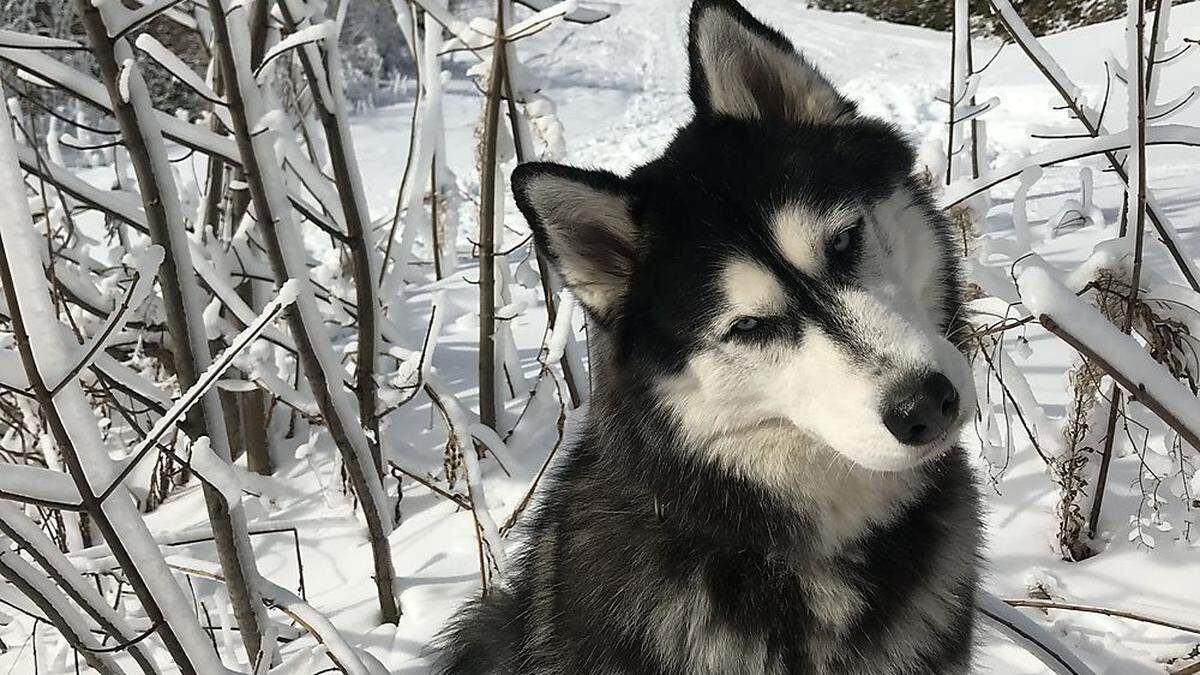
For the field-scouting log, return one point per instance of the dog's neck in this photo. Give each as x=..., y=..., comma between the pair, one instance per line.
x=833, y=501
x=840, y=499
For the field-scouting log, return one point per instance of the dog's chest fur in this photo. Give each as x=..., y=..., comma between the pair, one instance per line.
x=872, y=571
x=703, y=571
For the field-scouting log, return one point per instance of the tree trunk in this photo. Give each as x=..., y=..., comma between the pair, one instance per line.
x=285, y=254
x=181, y=302
x=487, y=233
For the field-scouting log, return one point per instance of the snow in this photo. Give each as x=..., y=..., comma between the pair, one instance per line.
x=216, y=472
x=611, y=96
x=40, y=484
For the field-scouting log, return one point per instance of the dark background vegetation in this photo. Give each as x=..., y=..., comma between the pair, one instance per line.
x=1042, y=16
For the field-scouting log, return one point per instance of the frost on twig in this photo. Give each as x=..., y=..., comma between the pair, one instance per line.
x=74, y=430
x=285, y=252
x=1093, y=122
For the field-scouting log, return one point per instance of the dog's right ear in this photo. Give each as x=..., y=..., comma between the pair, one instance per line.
x=582, y=224
x=744, y=69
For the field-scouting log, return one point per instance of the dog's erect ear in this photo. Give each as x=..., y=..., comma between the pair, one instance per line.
x=744, y=69
x=581, y=222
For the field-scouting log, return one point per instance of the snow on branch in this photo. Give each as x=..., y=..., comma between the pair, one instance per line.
x=1028, y=634
x=570, y=9
x=132, y=19
x=1119, y=355
x=208, y=379
x=179, y=70
x=35, y=485
x=13, y=40
x=120, y=205
x=146, y=266
x=315, y=33
x=1065, y=151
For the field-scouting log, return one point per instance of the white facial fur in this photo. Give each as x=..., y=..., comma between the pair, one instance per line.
x=813, y=391
x=801, y=234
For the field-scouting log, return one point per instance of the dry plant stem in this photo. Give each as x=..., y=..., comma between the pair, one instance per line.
x=184, y=322
x=1135, y=390
x=977, y=152
x=1138, y=78
x=1115, y=397
x=1091, y=609
x=13, y=573
x=1188, y=670
x=215, y=185
x=1110, y=431
x=460, y=500
x=487, y=232
x=454, y=446
x=983, y=349
x=1093, y=130
x=269, y=224
x=39, y=555
x=435, y=224
x=524, y=503
x=345, y=174
x=1155, y=38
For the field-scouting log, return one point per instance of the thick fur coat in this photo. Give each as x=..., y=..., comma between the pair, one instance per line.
x=768, y=479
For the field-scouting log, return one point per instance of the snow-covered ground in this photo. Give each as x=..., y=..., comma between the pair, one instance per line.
x=620, y=90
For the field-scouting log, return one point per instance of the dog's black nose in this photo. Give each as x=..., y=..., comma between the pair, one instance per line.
x=919, y=409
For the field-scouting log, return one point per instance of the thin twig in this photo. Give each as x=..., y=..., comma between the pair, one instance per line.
x=1106, y=611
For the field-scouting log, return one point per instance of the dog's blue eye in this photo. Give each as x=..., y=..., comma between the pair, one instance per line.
x=842, y=242
x=745, y=324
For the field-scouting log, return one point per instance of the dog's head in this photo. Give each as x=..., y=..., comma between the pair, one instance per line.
x=777, y=265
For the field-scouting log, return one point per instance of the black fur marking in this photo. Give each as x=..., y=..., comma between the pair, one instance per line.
x=613, y=557
x=642, y=557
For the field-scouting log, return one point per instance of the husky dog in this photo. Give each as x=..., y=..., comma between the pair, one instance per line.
x=768, y=479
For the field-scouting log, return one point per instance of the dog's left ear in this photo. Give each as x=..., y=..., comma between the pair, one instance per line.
x=744, y=69
x=581, y=222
